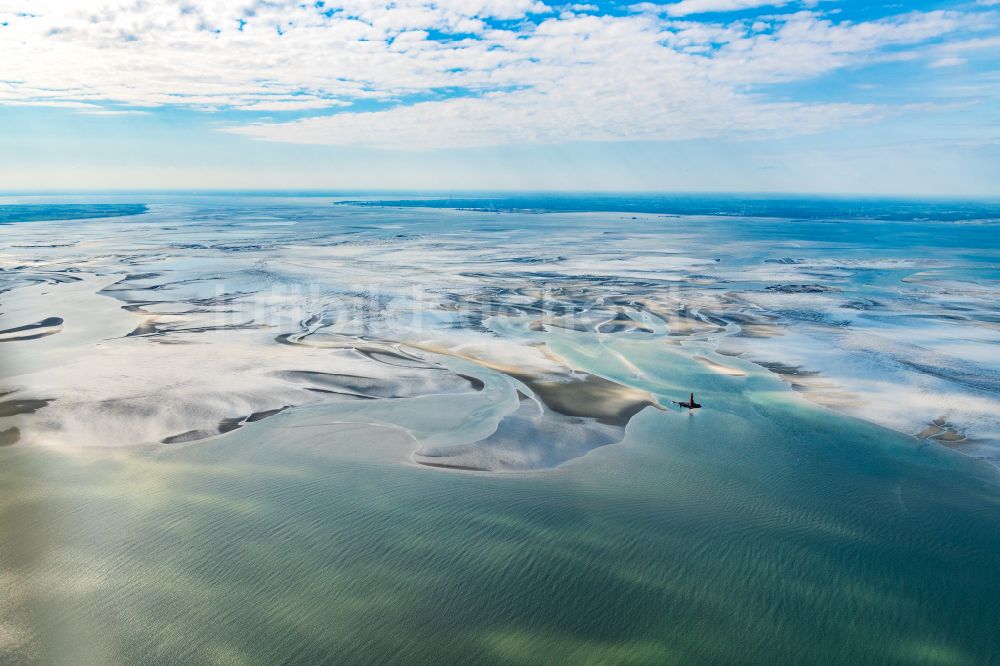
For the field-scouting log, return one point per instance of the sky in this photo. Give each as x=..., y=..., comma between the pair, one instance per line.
x=810, y=96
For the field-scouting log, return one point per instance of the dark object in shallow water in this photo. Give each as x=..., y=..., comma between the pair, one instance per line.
x=690, y=404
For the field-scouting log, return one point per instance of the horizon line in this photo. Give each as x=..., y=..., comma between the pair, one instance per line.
x=473, y=192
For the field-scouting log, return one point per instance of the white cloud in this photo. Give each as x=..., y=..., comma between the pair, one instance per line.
x=687, y=7
x=554, y=78
x=293, y=104
x=103, y=111
x=550, y=117
x=807, y=44
x=949, y=61
x=981, y=44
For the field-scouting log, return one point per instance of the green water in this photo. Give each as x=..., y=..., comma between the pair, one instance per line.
x=760, y=530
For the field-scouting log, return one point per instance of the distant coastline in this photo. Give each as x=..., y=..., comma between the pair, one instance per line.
x=788, y=207
x=50, y=212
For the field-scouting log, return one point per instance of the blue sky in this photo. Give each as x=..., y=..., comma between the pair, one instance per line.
x=695, y=95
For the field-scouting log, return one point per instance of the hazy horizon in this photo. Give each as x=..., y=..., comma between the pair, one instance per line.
x=485, y=193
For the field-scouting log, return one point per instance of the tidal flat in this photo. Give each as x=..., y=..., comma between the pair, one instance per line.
x=265, y=430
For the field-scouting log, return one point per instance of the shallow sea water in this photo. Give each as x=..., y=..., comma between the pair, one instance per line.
x=761, y=529
x=776, y=533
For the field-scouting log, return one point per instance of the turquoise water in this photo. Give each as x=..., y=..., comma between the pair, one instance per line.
x=29, y=212
x=763, y=530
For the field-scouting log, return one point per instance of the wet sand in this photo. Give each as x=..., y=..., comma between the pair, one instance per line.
x=40, y=329
x=169, y=333
x=719, y=367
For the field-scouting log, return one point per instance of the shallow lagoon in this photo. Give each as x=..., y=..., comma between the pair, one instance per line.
x=775, y=533
x=763, y=528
